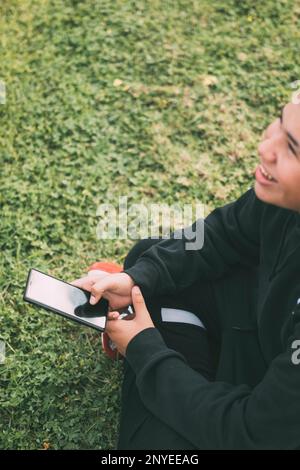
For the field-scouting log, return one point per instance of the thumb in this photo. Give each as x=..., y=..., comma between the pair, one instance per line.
x=138, y=300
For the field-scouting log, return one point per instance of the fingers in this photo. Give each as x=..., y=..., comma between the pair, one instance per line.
x=94, y=284
x=98, y=273
x=94, y=275
x=137, y=298
x=87, y=283
x=83, y=282
x=113, y=315
x=98, y=288
x=142, y=314
x=75, y=282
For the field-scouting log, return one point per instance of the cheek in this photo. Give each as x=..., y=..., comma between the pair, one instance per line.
x=289, y=180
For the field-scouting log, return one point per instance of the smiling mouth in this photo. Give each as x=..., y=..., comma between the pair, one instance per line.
x=266, y=174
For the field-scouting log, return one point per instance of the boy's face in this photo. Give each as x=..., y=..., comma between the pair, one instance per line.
x=279, y=153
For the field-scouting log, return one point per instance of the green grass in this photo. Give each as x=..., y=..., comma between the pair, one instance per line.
x=156, y=100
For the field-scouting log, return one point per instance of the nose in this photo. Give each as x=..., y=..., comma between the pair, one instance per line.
x=267, y=149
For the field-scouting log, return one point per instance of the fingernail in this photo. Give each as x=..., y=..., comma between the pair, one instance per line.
x=136, y=290
x=92, y=300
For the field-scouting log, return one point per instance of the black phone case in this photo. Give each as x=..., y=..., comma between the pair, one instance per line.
x=63, y=314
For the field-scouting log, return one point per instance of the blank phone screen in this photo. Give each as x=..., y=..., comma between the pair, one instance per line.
x=66, y=299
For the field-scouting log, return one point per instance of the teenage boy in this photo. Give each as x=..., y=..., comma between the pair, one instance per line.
x=212, y=356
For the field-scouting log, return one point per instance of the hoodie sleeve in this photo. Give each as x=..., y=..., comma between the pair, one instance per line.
x=231, y=237
x=218, y=415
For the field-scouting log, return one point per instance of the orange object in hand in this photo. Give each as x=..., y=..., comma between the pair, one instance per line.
x=107, y=266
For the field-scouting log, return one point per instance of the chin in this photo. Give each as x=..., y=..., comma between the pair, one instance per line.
x=267, y=196
x=263, y=194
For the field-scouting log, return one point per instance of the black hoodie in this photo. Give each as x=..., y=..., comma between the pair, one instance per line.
x=227, y=413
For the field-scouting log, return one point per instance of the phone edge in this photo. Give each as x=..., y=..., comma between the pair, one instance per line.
x=64, y=314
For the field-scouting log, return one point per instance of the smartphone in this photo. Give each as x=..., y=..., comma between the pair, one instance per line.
x=65, y=299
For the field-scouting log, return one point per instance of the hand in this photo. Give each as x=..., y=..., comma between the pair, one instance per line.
x=116, y=288
x=122, y=331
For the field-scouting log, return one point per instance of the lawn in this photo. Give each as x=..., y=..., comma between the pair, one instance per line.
x=160, y=101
